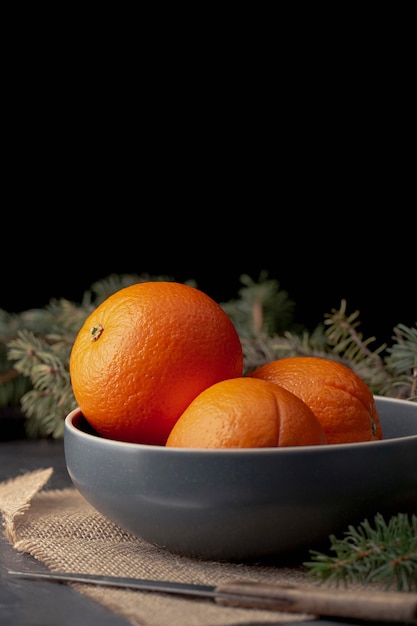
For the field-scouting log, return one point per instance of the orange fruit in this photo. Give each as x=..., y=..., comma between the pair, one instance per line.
x=145, y=353
x=339, y=398
x=246, y=413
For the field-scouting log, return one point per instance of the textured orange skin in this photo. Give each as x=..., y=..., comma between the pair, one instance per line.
x=157, y=346
x=340, y=399
x=246, y=413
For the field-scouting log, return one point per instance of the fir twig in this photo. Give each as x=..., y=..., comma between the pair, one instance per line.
x=389, y=371
x=35, y=344
x=402, y=359
x=44, y=361
x=262, y=309
x=385, y=552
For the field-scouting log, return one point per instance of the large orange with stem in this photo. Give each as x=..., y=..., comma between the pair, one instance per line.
x=145, y=353
x=342, y=402
x=246, y=413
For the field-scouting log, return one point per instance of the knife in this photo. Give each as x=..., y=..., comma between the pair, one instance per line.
x=365, y=605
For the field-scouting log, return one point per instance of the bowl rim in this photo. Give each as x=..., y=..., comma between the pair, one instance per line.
x=71, y=427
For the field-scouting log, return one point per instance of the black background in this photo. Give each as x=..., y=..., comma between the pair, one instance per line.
x=318, y=259
x=319, y=192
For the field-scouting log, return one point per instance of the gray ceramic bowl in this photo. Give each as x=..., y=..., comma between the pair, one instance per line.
x=241, y=505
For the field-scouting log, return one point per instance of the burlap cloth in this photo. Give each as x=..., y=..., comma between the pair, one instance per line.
x=60, y=529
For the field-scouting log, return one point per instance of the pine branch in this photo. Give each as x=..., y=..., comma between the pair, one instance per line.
x=384, y=553
x=348, y=342
x=45, y=361
x=262, y=309
x=389, y=371
x=35, y=346
x=402, y=357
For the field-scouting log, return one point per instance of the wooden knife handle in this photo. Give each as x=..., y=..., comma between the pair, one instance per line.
x=366, y=605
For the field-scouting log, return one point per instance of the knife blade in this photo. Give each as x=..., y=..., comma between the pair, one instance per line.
x=363, y=604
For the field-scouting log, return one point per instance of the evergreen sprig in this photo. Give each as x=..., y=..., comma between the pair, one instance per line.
x=44, y=361
x=262, y=309
x=35, y=346
x=389, y=371
x=384, y=553
x=402, y=358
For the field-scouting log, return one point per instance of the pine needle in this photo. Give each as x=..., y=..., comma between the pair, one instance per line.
x=384, y=553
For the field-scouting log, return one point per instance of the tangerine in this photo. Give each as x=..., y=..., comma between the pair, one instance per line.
x=246, y=413
x=342, y=402
x=145, y=353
